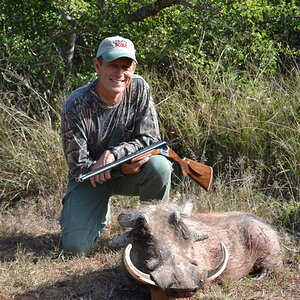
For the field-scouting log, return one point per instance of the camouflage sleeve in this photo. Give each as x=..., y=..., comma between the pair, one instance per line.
x=147, y=128
x=74, y=142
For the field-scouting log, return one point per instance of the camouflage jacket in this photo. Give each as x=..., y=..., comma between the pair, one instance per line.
x=89, y=127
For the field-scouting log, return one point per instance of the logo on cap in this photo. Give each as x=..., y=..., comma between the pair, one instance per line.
x=120, y=43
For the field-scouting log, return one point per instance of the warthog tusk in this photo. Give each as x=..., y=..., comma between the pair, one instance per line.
x=145, y=278
x=134, y=271
x=219, y=269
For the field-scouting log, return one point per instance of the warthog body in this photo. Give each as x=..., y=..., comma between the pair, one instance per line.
x=181, y=251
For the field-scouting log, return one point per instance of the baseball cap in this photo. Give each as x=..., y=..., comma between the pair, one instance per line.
x=112, y=48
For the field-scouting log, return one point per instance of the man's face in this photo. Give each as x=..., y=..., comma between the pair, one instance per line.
x=114, y=76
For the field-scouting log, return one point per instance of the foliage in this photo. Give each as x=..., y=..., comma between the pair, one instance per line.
x=54, y=41
x=234, y=124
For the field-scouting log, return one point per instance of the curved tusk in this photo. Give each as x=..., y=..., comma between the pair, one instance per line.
x=133, y=271
x=219, y=269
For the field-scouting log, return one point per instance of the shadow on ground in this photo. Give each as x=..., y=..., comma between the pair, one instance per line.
x=106, y=284
x=99, y=285
x=38, y=246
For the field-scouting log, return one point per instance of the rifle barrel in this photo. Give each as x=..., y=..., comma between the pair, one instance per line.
x=118, y=162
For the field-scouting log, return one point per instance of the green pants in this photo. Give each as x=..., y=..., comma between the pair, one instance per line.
x=86, y=209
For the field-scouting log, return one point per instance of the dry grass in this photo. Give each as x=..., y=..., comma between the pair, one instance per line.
x=31, y=156
x=33, y=267
x=250, y=133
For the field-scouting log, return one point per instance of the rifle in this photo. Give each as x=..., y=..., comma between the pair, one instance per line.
x=200, y=173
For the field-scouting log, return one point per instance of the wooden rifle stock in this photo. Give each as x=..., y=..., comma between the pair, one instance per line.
x=200, y=173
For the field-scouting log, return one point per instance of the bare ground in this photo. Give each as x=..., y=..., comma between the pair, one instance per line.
x=32, y=266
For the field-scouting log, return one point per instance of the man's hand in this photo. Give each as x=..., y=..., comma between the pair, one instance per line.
x=106, y=158
x=133, y=168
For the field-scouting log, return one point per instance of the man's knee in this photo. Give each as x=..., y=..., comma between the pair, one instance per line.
x=156, y=180
x=78, y=242
x=159, y=168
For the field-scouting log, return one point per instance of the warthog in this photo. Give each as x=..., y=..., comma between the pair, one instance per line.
x=176, y=251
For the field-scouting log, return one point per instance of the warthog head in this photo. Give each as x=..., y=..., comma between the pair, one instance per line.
x=160, y=251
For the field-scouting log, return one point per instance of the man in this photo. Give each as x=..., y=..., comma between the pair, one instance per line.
x=102, y=122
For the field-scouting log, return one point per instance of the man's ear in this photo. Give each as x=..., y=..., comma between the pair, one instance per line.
x=133, y=66
x=96, y=65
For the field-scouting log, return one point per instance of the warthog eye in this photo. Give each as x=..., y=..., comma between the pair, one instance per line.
x=141, y=229
x=154, y=263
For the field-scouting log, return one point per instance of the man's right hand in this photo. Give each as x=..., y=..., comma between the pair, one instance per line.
x=106, y=158
x=133, y=168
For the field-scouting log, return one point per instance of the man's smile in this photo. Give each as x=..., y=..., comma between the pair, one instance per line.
x=117, y=81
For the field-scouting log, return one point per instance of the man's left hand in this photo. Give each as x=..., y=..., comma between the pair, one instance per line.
x=106, y=158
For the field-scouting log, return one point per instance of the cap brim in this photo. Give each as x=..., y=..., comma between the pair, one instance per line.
x=113, y=55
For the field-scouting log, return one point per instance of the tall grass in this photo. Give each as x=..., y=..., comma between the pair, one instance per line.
x=246, y=125
x=31, y=158
x=249, y=118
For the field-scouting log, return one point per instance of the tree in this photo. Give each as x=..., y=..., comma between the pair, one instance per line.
x=155, y=7
x=53, y=41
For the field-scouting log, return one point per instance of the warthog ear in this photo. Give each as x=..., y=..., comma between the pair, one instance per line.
x=186, y=208
x=128, y=219
x=176, y=220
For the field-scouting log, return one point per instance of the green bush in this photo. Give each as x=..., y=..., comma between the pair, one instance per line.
x=52, y=42
x=225, y=80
